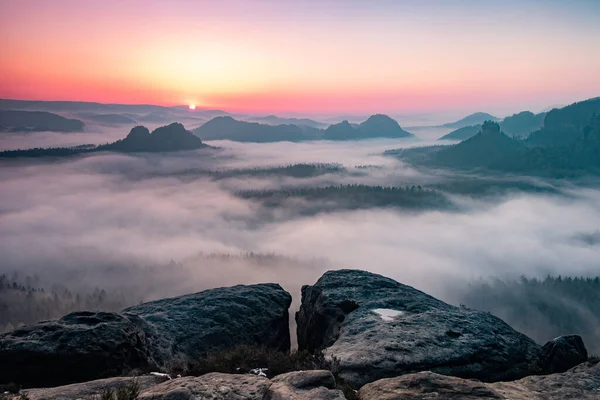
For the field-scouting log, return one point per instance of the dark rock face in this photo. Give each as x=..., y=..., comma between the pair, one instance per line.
x=78, y=347
x=581, y=383
x=83, y=346
x=189, y=326
x=304, y=385
x=376, y=327
x=562, y=354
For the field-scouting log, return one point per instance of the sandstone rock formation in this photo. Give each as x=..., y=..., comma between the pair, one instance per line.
x=374, y=327
x=189, y=326
x=579, y=383
x=214, y=386
x=562, y=354
x=78, y=347
x=304, y=385
x=85, y=345
x=92, y=389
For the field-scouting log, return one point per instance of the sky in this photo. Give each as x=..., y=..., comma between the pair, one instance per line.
x=304, y=56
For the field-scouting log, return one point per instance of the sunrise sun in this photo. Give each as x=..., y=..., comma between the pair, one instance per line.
x=192, y=106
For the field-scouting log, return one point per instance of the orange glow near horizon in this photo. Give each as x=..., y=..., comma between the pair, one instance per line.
x=299, y=57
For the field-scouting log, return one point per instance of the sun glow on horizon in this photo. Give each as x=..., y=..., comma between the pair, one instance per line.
x=341, y=57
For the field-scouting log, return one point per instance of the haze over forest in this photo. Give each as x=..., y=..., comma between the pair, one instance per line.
x=477, y=181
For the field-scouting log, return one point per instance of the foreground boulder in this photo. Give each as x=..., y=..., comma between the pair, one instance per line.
x=579, y=383
x=299, y=385
x=374, y=327
x=93, y=389
x=214, y=386
x=426, y=385
x=190, y=326
x=78, y=347
x=304, y=385
x=83, y=346
x=562, y=354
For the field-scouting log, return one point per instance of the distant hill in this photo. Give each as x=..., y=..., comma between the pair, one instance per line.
x=380, y=125
x=158, y=116
x=581, y=156
x=565, y=125
x=376, y=126
x=523, y=123
x=463, y=133
x=275, y=120
x=477, y=118
x=108, y=119
x=487, y=147
x=492, y=150
x=341, y=131
x=519, y=125
x=37, y=121
x=227, y=128
x=77, y=106
x=173, y=137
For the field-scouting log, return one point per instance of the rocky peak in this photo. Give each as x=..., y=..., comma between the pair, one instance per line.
x=138, y=133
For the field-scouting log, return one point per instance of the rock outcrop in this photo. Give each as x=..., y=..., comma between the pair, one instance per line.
x=304, y=385
x=214, y=386
x=299, y=385
x=426, y=385
x=79, y=347
x=562, y=354
x=93, y=389
x=579, y=383
x=190, y=326
x=374, y=327
x=85, y=345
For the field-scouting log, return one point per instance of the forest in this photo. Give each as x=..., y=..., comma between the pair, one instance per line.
x=352, y=196
x=542, y=308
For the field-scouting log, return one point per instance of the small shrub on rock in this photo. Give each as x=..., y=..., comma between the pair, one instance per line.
x=129, y=392
x=242, y=359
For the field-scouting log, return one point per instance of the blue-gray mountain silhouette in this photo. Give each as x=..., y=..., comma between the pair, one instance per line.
x=477, y=118
x=37, y=121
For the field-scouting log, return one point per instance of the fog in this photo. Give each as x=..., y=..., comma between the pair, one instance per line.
x=144, y=227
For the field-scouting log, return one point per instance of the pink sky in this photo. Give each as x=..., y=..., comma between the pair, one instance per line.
x=303, y=56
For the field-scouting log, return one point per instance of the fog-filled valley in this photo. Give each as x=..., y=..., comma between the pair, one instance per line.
x=106, y=230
